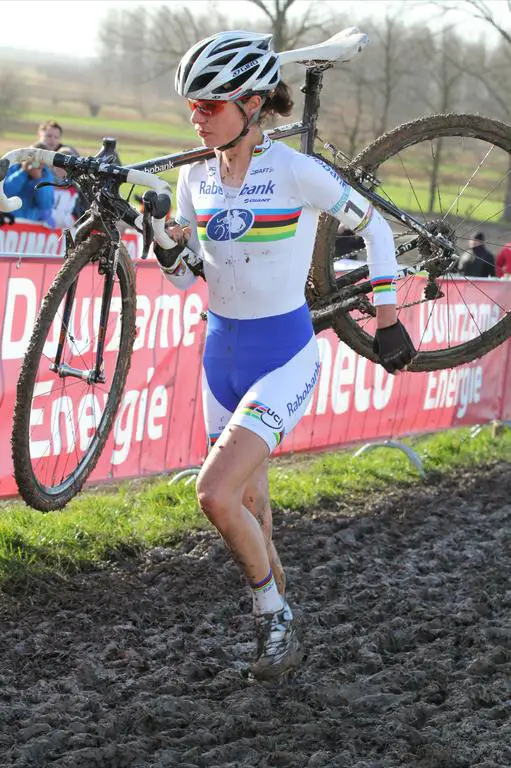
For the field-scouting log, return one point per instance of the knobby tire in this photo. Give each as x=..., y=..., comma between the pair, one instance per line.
x=37, y=495
x=322, y=271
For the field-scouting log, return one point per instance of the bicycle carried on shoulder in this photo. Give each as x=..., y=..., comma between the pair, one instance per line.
x=98, y=274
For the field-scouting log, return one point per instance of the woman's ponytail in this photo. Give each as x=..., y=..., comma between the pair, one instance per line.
x=279, y=102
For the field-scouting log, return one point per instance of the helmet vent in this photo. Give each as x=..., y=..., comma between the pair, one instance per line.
x=233, y=46
x=267, y=68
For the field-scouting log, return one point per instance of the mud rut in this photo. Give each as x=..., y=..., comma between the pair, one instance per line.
x=405, y=614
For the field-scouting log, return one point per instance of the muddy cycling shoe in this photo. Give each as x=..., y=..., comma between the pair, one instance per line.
x=278, y=650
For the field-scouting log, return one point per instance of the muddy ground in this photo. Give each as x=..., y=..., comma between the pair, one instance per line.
x=405, y=615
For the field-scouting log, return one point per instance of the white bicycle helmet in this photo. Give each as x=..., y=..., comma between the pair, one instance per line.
x=227, y=66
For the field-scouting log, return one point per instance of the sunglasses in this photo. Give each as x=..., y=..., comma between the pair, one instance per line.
x=206, y=107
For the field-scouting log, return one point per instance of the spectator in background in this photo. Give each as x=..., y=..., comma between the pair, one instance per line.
x=67, y=207
x=37, y=204
x=503, y=262
x=140, y=202
x=50, y=136
x=478, y=261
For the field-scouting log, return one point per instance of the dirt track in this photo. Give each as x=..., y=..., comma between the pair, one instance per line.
x=405, y=614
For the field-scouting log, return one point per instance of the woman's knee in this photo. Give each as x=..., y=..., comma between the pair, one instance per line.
x=215, y=499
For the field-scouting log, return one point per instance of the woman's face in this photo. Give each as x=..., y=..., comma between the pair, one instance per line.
x=219, y=122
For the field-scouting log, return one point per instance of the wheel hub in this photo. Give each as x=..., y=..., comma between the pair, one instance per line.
x=436, y=256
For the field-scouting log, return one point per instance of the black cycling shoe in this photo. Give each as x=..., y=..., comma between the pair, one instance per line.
x=278, y=650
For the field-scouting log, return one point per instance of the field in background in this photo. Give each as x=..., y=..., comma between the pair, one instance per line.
x=136, y=139
x=471, y=180
x=169, y=131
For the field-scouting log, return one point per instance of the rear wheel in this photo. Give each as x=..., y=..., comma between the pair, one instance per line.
x=451, y=172
x=61, y=422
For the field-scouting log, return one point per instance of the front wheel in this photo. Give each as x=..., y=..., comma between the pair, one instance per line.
x=61, y=422
x=449, y=171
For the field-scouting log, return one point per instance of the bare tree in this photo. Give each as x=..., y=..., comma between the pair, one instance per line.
x=393, y=67
x=286, y=34
x=491, y=70
x=347, y=119
x=479, y=9
x=140, y=48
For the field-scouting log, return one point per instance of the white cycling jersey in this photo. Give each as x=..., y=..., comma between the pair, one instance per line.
x=261, y=358
x=257, y=247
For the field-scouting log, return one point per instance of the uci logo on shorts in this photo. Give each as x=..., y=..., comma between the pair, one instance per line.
x=229, y=224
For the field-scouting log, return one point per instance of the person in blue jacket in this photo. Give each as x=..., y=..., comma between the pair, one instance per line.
x=37, y=204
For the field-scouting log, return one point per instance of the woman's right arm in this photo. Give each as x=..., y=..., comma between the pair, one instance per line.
x=183, y=231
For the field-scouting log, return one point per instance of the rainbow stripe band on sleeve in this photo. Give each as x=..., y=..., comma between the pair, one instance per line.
x=384, y=284
x=365, y=221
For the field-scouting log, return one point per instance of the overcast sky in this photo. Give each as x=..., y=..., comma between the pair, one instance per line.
x=40, y=24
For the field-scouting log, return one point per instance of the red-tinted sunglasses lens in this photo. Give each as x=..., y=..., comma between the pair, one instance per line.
x=205, y=107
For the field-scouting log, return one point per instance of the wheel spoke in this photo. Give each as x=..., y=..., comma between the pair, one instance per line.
x=452, y=173
x=61, y=421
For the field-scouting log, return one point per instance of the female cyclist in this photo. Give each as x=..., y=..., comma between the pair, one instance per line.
x=248, y=218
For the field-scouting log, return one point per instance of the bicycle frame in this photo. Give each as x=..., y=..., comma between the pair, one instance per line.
x=306, y=129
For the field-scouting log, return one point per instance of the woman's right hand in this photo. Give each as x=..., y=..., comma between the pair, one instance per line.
x=178, y=234
x=169, y=257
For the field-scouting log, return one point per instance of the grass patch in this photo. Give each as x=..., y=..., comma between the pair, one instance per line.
x=100, y=527
x=468, y=206
x=178, y=130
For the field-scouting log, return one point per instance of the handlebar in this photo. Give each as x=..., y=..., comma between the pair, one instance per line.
x=160, y=202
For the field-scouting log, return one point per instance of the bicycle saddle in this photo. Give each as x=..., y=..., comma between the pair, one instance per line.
x=342, y=46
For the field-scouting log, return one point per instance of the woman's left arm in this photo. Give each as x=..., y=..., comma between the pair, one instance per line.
x=322, y=188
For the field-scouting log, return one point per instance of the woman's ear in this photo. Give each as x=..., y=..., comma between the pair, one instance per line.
x=253, y=104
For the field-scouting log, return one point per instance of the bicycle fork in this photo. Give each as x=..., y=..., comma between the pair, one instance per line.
x=96, y=374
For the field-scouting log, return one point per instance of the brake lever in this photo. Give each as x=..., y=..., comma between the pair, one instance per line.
x=63, y=185
x=147, y=230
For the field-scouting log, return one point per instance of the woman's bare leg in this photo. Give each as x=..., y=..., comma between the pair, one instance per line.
x=256, y=498
x=236, y=456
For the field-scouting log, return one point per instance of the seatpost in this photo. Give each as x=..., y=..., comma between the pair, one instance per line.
x=311, y=88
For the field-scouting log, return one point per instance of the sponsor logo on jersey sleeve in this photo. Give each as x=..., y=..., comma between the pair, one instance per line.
x=332, y=172
x=341, y=202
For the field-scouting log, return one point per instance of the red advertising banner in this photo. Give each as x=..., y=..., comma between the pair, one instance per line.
x=159, y=425
x=28, y=239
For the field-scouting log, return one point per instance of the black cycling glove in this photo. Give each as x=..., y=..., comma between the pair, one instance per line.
x=168, y=257
x=394, y=347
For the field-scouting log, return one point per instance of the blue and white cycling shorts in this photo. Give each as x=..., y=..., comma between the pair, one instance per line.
x=259, y=374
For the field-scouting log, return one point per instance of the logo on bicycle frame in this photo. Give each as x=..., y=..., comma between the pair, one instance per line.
x=229, y=224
